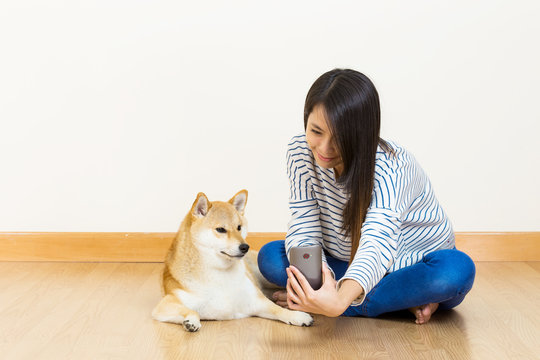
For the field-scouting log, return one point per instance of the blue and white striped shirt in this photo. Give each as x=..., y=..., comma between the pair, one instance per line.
x=403, y=223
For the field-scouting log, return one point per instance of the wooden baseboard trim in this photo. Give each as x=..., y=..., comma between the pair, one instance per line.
x=152, y=247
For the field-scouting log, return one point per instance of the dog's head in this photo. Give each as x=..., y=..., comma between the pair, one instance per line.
x=220, y=226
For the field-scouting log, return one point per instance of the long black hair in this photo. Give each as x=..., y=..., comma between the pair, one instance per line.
x=352, y=108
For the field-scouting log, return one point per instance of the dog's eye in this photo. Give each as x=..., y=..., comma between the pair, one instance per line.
x=239, y=227
x=221, y=230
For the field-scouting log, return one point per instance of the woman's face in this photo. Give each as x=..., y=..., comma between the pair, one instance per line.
x=321, y=142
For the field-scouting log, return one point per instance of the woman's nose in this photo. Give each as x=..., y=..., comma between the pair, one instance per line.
x=328, y=147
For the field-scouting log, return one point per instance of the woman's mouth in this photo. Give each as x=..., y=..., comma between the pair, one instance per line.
x=325, y=159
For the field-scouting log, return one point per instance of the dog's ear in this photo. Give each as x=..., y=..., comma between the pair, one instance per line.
x=200, y=206
x=239, y=201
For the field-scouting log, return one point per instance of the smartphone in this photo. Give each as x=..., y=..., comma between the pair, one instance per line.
x=308, y=259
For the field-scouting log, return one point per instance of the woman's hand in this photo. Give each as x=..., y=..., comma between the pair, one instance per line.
x=301, y=296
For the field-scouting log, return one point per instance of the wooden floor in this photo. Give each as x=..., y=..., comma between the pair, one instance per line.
x=102, y=311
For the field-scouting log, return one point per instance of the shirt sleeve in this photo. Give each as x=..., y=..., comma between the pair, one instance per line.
x=377, y=250
x=380, y=232
x=304, y=228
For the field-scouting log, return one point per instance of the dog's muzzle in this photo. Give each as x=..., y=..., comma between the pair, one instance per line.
x=243, y=250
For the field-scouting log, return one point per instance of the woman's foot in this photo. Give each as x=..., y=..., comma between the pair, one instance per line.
x=280, y=298
x=423, y=312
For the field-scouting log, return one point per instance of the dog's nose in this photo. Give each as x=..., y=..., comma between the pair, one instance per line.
x=244, y=248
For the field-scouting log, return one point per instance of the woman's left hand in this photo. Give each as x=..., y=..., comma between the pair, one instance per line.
x=301, y=296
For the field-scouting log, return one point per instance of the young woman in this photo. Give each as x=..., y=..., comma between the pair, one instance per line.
x=388, y=245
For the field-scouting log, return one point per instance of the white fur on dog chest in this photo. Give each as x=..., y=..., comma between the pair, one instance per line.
x=228, y=295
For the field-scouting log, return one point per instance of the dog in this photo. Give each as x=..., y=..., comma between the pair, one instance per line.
x=209, y=273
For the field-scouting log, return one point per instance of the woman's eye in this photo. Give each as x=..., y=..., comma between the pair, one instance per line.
x=221, y=230
x=239, y=227
x=316, y=132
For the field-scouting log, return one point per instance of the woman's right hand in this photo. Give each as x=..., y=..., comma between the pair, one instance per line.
x=280, y=298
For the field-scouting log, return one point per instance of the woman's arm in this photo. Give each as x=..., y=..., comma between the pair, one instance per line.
x=377, y=250
x=304, y=226
x=328, y=300
x=373, y=258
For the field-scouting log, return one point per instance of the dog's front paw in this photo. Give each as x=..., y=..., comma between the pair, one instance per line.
x=300, y=318
x=191, y=324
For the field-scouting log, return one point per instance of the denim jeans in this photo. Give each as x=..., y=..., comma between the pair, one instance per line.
x=443, y=276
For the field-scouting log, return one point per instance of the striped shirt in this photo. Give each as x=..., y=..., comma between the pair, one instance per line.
x=404, y=220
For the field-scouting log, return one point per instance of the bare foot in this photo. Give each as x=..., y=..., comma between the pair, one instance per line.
x=280, y=298
x=423, y=313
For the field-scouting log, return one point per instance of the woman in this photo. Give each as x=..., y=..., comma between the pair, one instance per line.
x=388, y=245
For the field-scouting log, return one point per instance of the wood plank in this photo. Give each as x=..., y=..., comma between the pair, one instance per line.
x=152, y=247
x=500, y=246
x=84, y=246
x=102, y=310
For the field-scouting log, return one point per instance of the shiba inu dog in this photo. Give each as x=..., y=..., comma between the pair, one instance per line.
x=209, y=273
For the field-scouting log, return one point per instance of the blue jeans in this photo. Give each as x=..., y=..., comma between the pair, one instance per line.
x=443, y=276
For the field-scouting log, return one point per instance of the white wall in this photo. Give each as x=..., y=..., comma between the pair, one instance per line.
x=114, y=114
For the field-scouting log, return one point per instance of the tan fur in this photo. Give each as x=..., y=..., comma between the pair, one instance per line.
x=206, y=274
